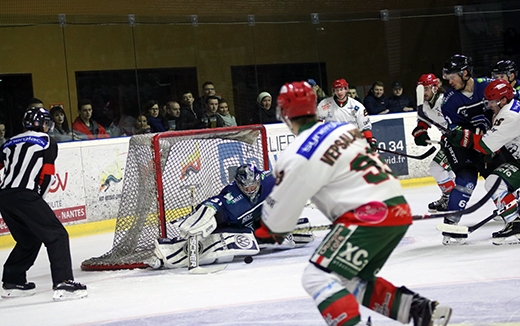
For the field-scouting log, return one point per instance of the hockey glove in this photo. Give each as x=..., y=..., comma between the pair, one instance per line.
x=373, y=144
x=263, y=235
x=420, y=134
x=461, y=138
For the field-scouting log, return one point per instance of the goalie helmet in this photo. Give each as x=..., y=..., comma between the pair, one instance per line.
x=457, y=64
x=35, y=118
x=497, y=89
x=248, y=180
x=428, y=80
x=505, y=67
x=296, y=99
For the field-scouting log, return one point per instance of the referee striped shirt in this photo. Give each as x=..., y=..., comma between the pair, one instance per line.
x=28, y=161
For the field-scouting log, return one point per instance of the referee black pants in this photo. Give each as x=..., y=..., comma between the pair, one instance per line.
x=32, y=222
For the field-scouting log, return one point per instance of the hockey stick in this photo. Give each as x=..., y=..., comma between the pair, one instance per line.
x=312, y=229
x=462, y=229
x=465, y=211
x=417, y=157
x=193, y=249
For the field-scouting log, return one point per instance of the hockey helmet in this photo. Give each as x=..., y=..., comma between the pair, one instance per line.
x=338, y=83
x=505, y=67
x=428, y=80
x=457, y=64
x=35, y=118
x=296, y=99
x=248, y=179
x=497, y=89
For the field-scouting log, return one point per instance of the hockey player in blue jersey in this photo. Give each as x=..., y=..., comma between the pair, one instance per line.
x=463, y=108
x=506, y=69
x=226, y=223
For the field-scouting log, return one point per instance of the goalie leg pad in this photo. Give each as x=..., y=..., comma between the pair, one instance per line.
x=201, y=222
x=226, y=243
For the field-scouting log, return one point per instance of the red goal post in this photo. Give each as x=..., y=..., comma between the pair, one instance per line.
x=166, y=174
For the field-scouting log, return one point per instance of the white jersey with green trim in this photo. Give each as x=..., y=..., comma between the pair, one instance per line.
x=505, y=130
x=435, y=112
x=332, y=165
x=352, y=111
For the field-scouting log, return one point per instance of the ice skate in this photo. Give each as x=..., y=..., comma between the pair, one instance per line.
x=17, y=291
x=510, y=234
x=424, y=312
x=453, y=238
x=69, y=290
x=440, y=205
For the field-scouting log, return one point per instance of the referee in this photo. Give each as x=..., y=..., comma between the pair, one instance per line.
x=28, y=160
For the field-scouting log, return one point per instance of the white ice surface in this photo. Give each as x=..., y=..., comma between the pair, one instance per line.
x=479, y=280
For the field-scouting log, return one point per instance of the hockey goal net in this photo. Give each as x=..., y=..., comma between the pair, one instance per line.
x=166, y=174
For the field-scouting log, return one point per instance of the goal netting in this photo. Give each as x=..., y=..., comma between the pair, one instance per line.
x=165, y=175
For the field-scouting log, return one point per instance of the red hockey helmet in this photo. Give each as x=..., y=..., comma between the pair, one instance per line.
x=428, y=80
x=296, y=99
x=497, y=89
x=338, y=83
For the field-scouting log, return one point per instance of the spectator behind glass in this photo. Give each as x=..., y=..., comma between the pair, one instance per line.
x=376, y=102
x=141, y=125
x=2, y=133
x=223, y=113
x=61, y=131
x=265, y=113
x=352, y=93
x=120, y=124
x=172, y=112
x=156, y=122
x=190, y=118
x=84, y=127
x=399, y=102
x=208, y=89
x=210, y=116
x=320, y=93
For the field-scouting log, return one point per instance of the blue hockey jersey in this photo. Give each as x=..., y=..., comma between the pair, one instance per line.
x=236, y=210
x=459, y=110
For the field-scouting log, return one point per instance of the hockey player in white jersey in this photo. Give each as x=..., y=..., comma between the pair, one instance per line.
x=504, y=135
x=440, y=168
x=341, y=107
x=333, y=165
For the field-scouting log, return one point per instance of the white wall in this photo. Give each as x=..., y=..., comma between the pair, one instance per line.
x=89, y=173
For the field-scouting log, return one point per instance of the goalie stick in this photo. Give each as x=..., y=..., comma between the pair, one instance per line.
x=193, y=249
x=462, y=229
x=417, y=157
x=465, y=211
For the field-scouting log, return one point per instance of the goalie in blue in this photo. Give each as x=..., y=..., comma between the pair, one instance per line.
x=226, y=224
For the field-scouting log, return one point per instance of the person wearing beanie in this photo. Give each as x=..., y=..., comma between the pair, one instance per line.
x=265, y=112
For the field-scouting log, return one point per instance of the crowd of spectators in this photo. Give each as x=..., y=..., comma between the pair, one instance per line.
x=210, y=110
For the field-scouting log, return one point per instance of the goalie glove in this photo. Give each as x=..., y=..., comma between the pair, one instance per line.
x=263, y=235
x=201, y=222
x=420, y=134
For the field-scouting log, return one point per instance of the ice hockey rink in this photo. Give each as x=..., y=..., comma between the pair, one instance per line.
x=479, y=280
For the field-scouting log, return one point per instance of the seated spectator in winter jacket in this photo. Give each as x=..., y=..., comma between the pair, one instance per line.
x=61, y=131
x=223, y=112
x=399, y=102
x=156, y=122
x=375, y=102
x=172, y=113
x=352, y=93
x=84, y=126
x=120, y=123
x=190, y=118
x=210, y=117
x=265, y=111
x=141, y=125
